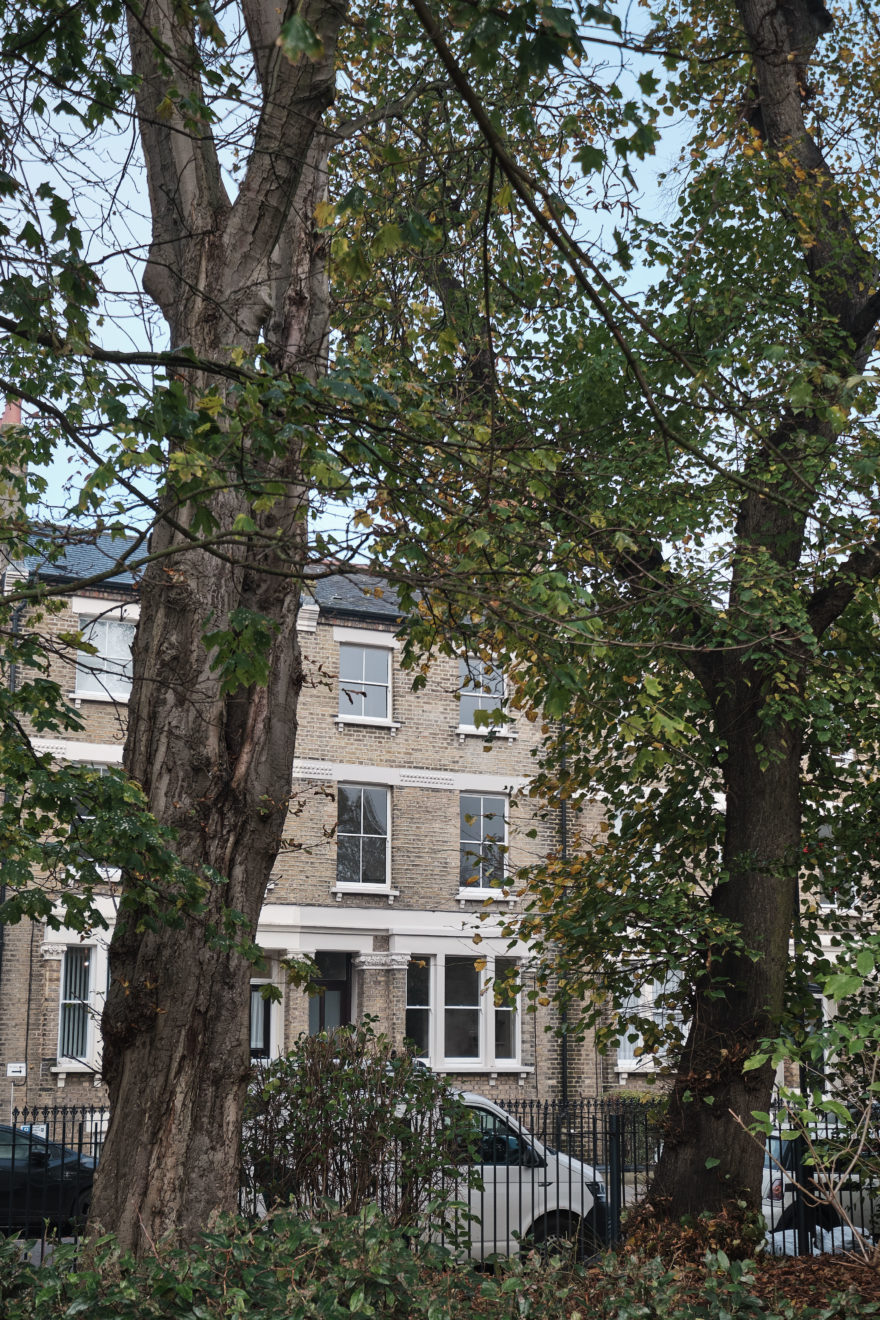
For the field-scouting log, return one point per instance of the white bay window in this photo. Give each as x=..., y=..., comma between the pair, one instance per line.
x=452, y=1017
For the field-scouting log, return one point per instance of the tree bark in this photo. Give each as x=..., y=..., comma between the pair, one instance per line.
x=216, y=766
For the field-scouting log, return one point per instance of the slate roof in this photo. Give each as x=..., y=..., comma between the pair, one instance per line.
x=341, y=595
x=82, y=559
x=344, y=596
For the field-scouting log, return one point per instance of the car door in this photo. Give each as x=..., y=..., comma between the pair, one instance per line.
x=23, y=1162
x=515, y=1181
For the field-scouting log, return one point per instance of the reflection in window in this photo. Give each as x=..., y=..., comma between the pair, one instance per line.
x=362, y=835
x=418, y=1006
x=482, y=840
x=364, y=682
x=462, y=1010
x=481, y=687
x=107, y=673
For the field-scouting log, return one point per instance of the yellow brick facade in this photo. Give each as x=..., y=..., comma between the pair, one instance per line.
x=420, y=761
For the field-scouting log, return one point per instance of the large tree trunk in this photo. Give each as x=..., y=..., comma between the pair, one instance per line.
x=216, y=766
x=739, y=999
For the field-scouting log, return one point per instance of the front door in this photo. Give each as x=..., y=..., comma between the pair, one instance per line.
x=331, y=1007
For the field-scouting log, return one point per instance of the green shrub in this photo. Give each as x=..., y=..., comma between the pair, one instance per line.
x=360, y=1268
x=345, y=1118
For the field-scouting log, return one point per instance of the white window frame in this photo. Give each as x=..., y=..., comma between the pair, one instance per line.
x=485, y=1060
x=110, y=874
x=102, y=686
x=90, y=1059
x=481, y=700
x=360, y=886
x=272, y=1008
x=481, y=890
x=643, y=1002
x=366, y=640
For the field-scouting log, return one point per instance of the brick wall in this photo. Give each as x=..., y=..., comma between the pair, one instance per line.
x=425, y=763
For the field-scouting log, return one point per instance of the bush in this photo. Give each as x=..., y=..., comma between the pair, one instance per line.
x=359, y=1268
x=346, y=1119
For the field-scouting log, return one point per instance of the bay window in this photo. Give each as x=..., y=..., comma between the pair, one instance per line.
x=452, y=1017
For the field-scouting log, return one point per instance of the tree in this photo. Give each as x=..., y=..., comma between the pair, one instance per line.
x=599, y=436
x=238, y=430
x=696, y=573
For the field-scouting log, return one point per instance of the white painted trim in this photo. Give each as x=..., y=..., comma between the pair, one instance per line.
x=406, y=777
x=368, y=721
x=302, y=929
x=307, y=617
x=365, y=637
x=77, y=697
x=506, y=732
x=99, y=753
x=109, y=609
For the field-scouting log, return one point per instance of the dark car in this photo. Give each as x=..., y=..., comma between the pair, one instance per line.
x=42, y=1183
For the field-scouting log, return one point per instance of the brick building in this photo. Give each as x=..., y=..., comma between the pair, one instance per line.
x=405, y=823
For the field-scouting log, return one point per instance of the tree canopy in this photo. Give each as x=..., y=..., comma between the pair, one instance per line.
x=416, y=309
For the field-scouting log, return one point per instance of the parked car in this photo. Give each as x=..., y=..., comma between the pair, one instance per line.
x=42, y=1183
x=531, y=1195
x=859, y=1198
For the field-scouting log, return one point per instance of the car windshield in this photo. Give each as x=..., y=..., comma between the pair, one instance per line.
x=774, y=1152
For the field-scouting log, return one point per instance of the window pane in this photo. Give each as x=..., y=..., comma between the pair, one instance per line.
x=493, y=818
x=492, y=870
x=471, y=818
x=468, y=703
x=375, y=702
x=348, y=859
x=462, y=982
x=418, y=983
x=417, y=1020
x=462, y=1033
x=260, y=1018
x=374, y=871
x=332, y=966
x=375, y=811
x=76, y=973
x=332, y=1009
x=351, y=700
x=351, y=663
x=73, y=1025
x=375, y=665
x=505, y=1033
x=349, y=809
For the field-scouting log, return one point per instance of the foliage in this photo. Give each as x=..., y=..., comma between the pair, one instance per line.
x=345, y=1117
x=360, y=1267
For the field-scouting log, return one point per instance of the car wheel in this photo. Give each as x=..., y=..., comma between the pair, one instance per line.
x=566, y=1235
x=79, y=1213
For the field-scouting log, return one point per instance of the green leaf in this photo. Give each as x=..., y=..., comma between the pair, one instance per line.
x=865, y=962
x=712, y=1162
x=297, y=37
x=842, y=984
x=756, y=1061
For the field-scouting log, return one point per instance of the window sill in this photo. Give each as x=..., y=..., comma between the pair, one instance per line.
x=365, y=722
x=341, y=891
x=78, y=697
x=450, y=1066
x=485, y=896
x=75, y=1067
x=493, y=735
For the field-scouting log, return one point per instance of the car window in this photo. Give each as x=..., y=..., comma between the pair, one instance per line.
x=19, y=1146
x=500, y=1144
